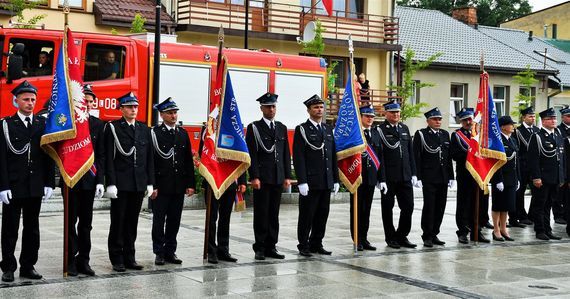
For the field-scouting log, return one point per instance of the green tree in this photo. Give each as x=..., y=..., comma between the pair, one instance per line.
x=406, y=90
x=489, y=12
x=17, y=7
x=526, y=81
x=114, y=31
x=316, y=47
x=138, y=24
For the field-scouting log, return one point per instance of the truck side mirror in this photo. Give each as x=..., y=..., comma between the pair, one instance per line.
x=15, y=63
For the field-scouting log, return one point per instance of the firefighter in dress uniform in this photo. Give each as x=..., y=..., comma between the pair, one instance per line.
x=435, y=174
x=372, y=172
x=466, y=185
x=564, y=195
x=314, y=158
x=400, y=172
x=82, y=195
x=27, y=175
x=519, y=217
x=546, y=166
x=174, y=178
x=130, y=178
x=269, y=173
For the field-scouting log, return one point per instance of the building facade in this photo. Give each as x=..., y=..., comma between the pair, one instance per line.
x=550, y=22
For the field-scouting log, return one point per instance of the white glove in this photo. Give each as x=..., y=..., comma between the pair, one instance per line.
x=336, y=186
x=99, y=189
x=451, y=184
x=419, y=184
x=518, y=185
x=382, y=187
x=5, y=196
x=501, y=186
x=149, y=190
x=304, y=189
x=48, y=191
x=112, y=191
x=414, y=180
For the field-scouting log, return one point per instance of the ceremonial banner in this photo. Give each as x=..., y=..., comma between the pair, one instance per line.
x=486, y=152
x=349, y=139
x=224, y=152
x=66, y=137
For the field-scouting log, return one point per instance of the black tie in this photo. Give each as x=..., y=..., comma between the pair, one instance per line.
x=132, y=127
x=367, y=133
x=271, y=126
x=320, y=128
x=28, y=124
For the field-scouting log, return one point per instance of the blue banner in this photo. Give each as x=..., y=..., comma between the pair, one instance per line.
x=495, y=142
x=348, y=135
x=59, y=117
x=230, y=143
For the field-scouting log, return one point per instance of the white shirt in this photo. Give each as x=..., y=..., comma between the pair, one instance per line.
x=23, y=118
x=130, y=122
x=527, y=126
x=506, y=136
x=549, y=131
x=268, y=122
x=315, y=123
x=433, y=130
x=169, y=127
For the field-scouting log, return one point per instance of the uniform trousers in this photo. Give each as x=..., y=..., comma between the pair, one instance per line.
x=435, y=199
x=365, y=196
x=220, y=214
x=125, y=211
x=404, y=193
x=540, y=206
x=80, y=219
x=313, y=216
x=166, y=214
x=266, y=203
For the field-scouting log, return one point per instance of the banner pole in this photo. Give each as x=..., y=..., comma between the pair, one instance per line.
x=355, y=220
x=65, y=228
x=476, y=215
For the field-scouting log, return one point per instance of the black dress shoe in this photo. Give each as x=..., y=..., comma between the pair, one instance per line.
x=321, y=251
x=159, y=260
x=72, y=270
x=85, y=269
x=488, y=225
x=133, y=266
x=526, y=221
x=305, y=252
x=436, y=241
x=516, y=224
x=259, y=255
x=481, y=239
x=560, y=221
x=428, y=243
x=368, y=246
x=31, y=274
x=495, y=238
x=542, y=236
x=553, y=237
x=273, y=253
x=359, y=247
x=212, y=258
x=119, y=268
x=227, y=257
x=404, y=242
x=393, y=244
x=507, y=238
x=172, y=259
x=463, y=239
x=8, y=276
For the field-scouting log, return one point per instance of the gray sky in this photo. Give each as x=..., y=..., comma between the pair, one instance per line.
x=542, y=4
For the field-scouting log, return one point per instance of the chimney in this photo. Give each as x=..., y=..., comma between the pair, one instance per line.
x=467, y=15
x=530, y=35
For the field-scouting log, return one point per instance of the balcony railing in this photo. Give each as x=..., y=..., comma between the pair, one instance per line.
x=289, y=19
x=376, y=97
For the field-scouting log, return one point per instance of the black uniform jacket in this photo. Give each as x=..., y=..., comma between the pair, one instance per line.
x=371, y=176
x=565, y=133
x=435, y=168
x=400, y=163
x=125, y=172
x=509, y=174
x=269, y=168
x=317, y=168
x=22, y=176
x=522, y=135
x=546, y=162
x=176, y=174
x=458, y=150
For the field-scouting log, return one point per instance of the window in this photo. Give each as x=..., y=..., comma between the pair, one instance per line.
x=500, y=97
x=415, y=97
x=104, y=62
x=457, y=100
x=37, y=58
x=77, y=4
x=528, y=92
x=343, y=8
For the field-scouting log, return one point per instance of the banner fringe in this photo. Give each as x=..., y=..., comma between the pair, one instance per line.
x=69, y=180
x=346, y=182
x=351, y=151
x=218, y=191
x=222, y=153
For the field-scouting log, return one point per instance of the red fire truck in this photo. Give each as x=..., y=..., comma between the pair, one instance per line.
x=115, y=65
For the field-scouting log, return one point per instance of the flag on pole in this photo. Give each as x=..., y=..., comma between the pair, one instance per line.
x=349, y=139
x=328, y=4
x=66, y=137
x=486, y=152
x=224, y=152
